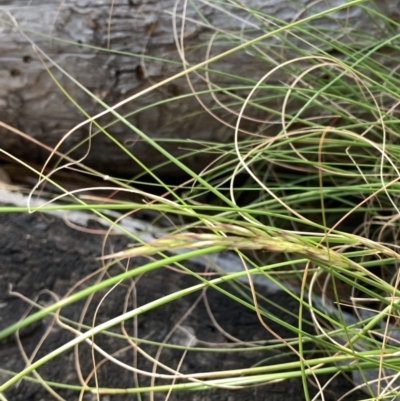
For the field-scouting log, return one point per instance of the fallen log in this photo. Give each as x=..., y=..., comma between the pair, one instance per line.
x=118, y=49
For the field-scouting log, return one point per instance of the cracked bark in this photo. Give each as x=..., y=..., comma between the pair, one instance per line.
x=139, y=32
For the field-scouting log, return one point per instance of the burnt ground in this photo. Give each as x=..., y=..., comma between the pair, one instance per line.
x=41, y=253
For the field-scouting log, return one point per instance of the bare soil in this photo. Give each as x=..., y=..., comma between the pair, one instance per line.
x=41, y=254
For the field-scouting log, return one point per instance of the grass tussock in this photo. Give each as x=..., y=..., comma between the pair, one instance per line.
x=304, y=194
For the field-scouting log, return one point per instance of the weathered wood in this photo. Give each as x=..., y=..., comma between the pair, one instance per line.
x=139, y=32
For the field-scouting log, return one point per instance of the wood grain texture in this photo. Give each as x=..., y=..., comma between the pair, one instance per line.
x=71, y=34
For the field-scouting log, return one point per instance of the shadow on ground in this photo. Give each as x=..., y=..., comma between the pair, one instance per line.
x=39, y=253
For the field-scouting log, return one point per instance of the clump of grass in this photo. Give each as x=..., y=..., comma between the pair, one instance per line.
x=316, y=215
